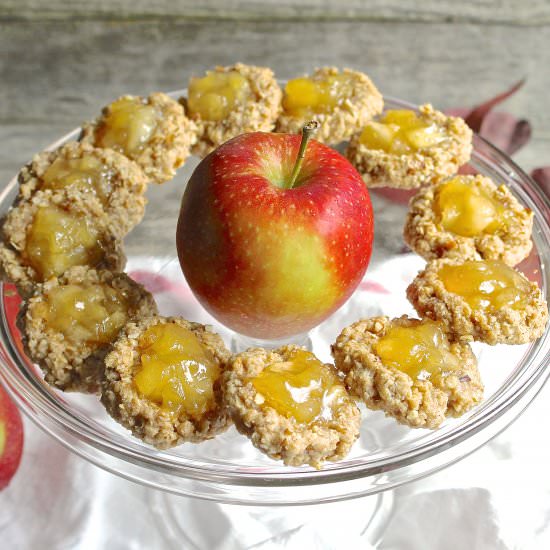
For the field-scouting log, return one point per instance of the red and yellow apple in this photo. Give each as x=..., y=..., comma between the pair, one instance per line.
x=271, y=246
x=11, y=438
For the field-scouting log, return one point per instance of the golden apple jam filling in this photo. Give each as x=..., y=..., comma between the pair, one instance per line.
x=85, y=174
x=421, y=350
x=57, y=240
x=307, y=97
x=88, y=313
x=487, y=284
x=214, y=96
x=177, y=372
x=467, y=210
x=302, y=388
x=401, y=132
x=128, y=126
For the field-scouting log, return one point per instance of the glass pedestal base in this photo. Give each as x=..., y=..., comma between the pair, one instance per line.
x=195, y=524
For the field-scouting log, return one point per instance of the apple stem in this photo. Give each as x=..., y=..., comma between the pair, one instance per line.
x=307, y=131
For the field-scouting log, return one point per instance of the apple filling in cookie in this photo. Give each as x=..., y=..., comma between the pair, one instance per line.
x=292, y=406
x=341, y=101
x=230, y=101
x=214, y=96
x=490, y=285
x=468, y=210
x=483, y=300
x=301, y=387
x=420, y=350
x=412, y=369
x=152, y=131
x=128, y=125
x=408, y=149
x=162, y=381
x=88, y=313
x=306, y=97
x=86, y=173
x=469, y=217
x=401, y=132
x=177, y=371
x=69, y=323
x=53, y=230
x=58, y=239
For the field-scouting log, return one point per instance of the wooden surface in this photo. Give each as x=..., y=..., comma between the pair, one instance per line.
x=524, y=12
x=60, y=64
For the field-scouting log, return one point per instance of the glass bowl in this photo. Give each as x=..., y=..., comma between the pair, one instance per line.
x=228, y=468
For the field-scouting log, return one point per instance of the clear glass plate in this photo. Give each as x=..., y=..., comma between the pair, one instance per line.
x=228, y=468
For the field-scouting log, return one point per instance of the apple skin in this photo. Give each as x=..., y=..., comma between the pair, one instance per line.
x=11, y=438
x=266, y=261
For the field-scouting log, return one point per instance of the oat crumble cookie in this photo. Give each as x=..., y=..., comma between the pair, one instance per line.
x=154, y=132
x=480, y=300
x=470, y=217
x=308, y=431
x=341, y=101
x=421, y=394
x=183, y=407
x=69, y=323
x=116, y=181
x=230, y=101
x=53, y=230
x=427, y=165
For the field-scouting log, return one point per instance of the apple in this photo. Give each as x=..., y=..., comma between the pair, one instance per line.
x=275, y=232
x=11, y=438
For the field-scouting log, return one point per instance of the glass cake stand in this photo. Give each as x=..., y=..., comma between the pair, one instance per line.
x=228, y=469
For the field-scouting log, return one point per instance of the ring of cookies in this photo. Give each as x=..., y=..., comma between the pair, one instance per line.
x=169, y=380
